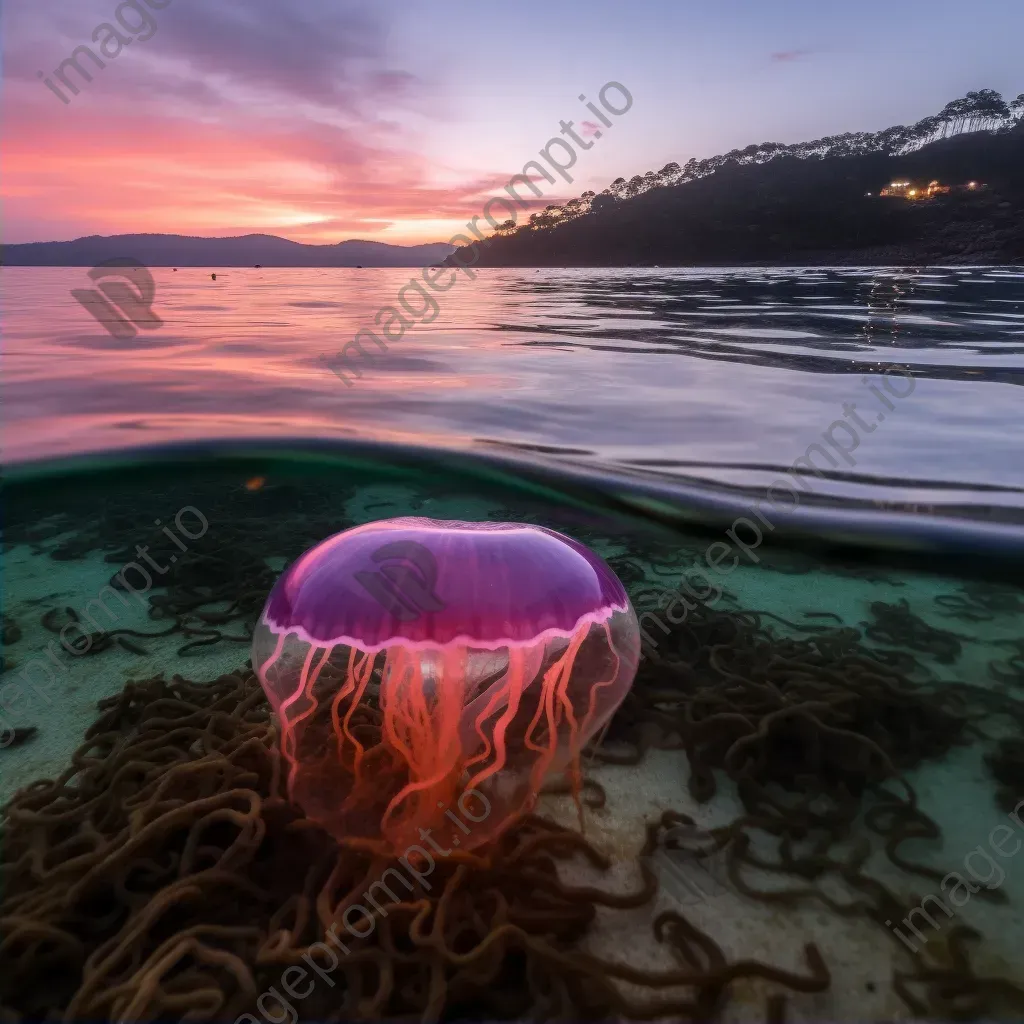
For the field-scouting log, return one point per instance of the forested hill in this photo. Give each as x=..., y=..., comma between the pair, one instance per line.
x=813, y=203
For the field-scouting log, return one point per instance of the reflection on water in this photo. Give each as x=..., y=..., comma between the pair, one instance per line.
x=842, y=737
x=726, y=375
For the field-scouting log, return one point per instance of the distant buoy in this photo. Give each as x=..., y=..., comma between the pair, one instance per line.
x=175, y=269
x=214, y=276
x=259, y=266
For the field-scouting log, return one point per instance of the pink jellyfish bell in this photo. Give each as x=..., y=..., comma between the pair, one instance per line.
x=429, y=674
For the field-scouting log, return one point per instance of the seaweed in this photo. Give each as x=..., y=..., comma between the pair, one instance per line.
x=164, y=875
x=1011, y=670
x=814, y=733
x=11, y=633
x=897, y=626
x=100, y=640
x=222, y=578
x=1006, y=763
x=19, y=735
x=981, y=602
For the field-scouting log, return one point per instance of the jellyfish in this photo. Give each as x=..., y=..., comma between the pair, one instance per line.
x=432, y=675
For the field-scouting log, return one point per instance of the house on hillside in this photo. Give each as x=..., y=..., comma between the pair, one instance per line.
x=914, y=192
x=908, y=190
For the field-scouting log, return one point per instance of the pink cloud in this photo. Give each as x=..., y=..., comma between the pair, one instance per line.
x=121, y=165
x=257, y=117
x=787, y=56
x=591, y=129
x=283, y=137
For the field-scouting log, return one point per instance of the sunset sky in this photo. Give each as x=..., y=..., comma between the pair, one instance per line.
x=322, y=120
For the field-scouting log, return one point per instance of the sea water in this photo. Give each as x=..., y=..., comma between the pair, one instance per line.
x=126, y=567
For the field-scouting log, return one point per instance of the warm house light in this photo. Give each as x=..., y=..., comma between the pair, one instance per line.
x=972, y=184
x=903, y=190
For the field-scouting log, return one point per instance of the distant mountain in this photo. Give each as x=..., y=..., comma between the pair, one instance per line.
x=809, y=203
x=243, y=251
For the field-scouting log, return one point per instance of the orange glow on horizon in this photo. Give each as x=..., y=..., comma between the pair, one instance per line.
x=119, y=171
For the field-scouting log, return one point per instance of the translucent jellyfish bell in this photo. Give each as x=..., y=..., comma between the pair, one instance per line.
x=433, y=674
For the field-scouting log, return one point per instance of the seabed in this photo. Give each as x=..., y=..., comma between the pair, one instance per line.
x=839, y=753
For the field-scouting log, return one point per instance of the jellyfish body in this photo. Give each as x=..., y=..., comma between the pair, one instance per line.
x=432, y=674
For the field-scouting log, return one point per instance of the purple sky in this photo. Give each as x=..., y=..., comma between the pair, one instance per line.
x=322, y=120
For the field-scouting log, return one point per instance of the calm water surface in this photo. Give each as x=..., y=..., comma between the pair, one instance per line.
x=725, y=375
x=819, y=650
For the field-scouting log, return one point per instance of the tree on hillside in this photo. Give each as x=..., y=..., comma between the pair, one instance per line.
x=618, y=188
x=985, y=109
x=978, y=110
x=769, y=151
x=926, y=130
x=573, y=209
x=551, y=216
x=635, y=186
x=953, y=115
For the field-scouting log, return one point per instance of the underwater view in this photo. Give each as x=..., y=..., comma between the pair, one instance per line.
x=512, y=513
x=772, y=775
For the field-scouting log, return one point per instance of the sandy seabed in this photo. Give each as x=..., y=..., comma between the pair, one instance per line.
x=955, y=790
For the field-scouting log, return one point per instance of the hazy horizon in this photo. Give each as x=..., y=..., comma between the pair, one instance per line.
x=246, y=234
x=331, y=123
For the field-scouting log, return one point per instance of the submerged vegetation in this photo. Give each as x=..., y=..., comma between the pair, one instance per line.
x=164, y=875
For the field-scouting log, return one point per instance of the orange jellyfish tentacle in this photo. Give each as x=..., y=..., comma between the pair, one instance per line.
x=505, y=698
x=343, y=691
x=542, y=707
x=577, y=734
x=361, y=673
x=555, y=678
x=278, y=650
x=545, y=709
x=516, y=683
x=424, y=729
x=358, y=671
x=603, y=683
x=289, y=728
x=395, y=725
x=574, y=743
x=289, y=738
x=554, y=681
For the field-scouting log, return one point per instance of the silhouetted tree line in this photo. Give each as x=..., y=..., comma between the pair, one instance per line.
x=981, y=110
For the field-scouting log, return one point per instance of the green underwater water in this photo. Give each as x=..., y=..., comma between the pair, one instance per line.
x=821, y=684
